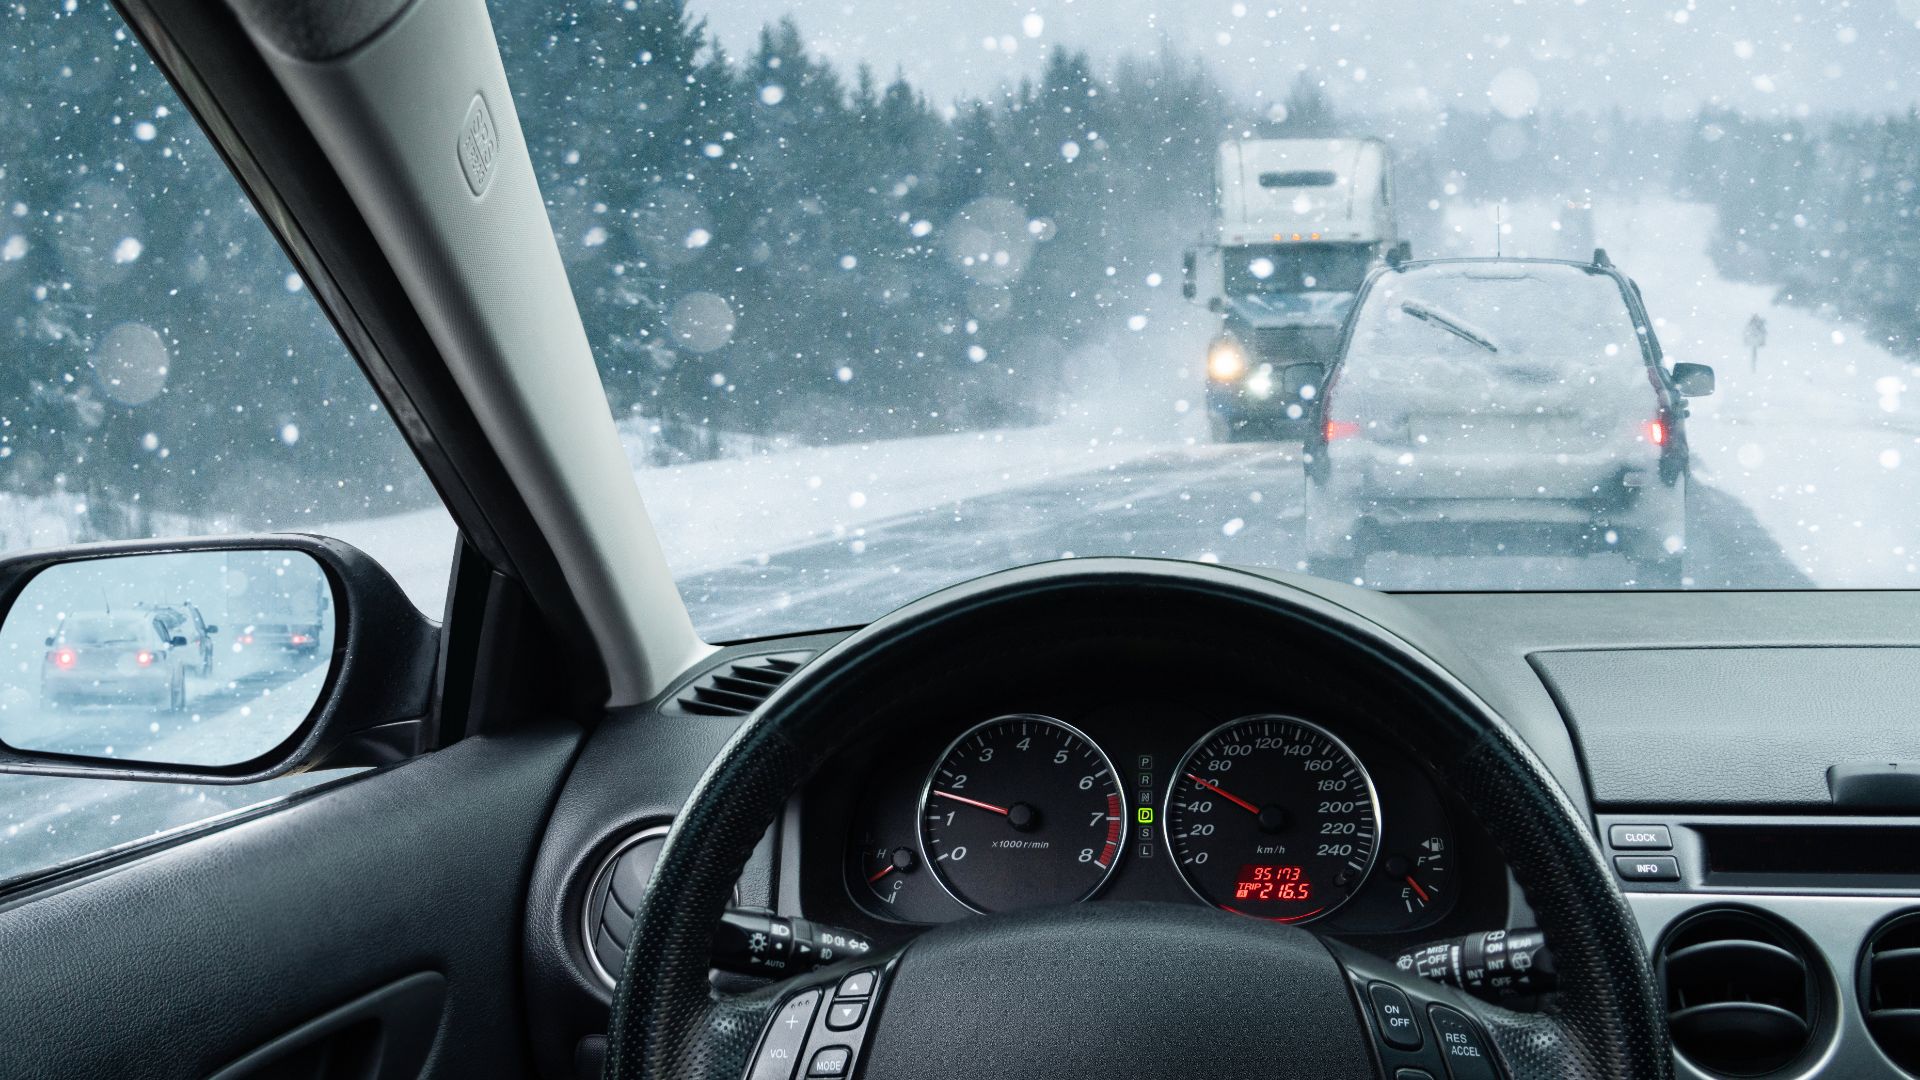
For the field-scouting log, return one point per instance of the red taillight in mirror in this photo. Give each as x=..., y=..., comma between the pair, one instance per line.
x=64, y=658
x=1340, y=429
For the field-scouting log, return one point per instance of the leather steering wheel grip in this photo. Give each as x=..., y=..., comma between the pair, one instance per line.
x=669, y=1023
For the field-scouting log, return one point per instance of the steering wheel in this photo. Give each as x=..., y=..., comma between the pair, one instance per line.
x=1122, y=989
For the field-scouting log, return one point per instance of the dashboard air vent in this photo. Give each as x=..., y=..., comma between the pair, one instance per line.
x=737, y=688
x=1890, y=990
x=1740, y=992
x=613, y=898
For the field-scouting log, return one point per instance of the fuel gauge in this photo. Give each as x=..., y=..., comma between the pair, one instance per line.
x=1419, y=876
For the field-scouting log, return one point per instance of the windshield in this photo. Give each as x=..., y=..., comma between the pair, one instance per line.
x=888, y=297
x=1278, y=268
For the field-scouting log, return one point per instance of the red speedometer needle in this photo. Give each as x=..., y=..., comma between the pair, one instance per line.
x=1234, y=799
x=1424, y=898
x=1001, y=810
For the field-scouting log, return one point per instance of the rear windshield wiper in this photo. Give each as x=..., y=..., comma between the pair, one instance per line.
x=1448, y=323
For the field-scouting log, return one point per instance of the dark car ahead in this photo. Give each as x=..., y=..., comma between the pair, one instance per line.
x=1521, y=405
x=115, y=658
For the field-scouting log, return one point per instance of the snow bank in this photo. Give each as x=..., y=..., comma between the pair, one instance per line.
x=712, y=513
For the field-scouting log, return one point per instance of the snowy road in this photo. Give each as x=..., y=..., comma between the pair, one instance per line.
x=1243, y=500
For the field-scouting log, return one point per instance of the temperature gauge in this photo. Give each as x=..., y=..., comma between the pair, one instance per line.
x=887, y=868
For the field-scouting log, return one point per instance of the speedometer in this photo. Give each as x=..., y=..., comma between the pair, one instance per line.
x=1273, y=817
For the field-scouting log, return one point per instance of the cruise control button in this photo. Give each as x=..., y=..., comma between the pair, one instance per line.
x=1461, y=1045
x=858, y=984
x=830, y=1061
x=1647, y=867
x=842, y=1015
x=779, y=1056
x=1640, y=838
x=1395, y=1015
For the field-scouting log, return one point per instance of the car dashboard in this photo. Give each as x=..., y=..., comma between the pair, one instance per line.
x=1699, y=739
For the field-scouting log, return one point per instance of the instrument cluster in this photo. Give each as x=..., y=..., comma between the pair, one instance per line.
x=1267, y=814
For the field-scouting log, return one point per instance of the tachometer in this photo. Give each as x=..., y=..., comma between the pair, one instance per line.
x=1022, y=810
x=1273, y=817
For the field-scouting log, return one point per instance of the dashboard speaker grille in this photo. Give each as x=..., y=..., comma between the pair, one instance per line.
x=738, y=687
x=1890, y=990
x=1740, y=991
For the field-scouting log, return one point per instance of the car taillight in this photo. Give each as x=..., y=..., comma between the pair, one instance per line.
x=64, y=658
x=1340, y=429
x=144, y=658
x=1656, y=432
x=246, y=639
x=300, y=639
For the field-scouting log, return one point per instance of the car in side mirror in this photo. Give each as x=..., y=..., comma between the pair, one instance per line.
x=1693, y=380
x=107, y=670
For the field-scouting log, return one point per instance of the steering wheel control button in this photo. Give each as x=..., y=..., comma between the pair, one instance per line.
x=1395, y=1015
x=1647, y=867
x=1412, y=1074
x=1640, y=838
x=845, y=1015
x=830, y=1061
x=779, y=1056
x=857, y=985
x=1461, y=1045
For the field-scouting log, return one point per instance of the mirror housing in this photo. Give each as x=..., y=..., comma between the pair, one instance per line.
x=375, y=706
x=1693, y=380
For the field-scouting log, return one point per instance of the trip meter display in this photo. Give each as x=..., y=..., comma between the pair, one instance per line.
x=1271, y=816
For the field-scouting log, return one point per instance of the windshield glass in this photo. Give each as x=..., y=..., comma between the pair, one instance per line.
x=887, y=296
x=1276, y=268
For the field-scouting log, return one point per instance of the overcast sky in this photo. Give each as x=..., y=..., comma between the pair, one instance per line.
x=1669, y=56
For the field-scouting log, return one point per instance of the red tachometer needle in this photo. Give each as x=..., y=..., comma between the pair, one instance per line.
x=1234, y=799
x=1001, y=810
x=1424, y=898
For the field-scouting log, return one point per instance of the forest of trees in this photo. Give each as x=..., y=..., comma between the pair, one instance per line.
x=1827, y=211
x=758, y=243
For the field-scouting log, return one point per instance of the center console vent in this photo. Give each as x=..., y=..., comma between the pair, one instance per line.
x=1890, y=990
x=1741, y=992
x=738, y=687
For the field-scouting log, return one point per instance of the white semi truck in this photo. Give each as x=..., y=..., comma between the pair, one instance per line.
x=1298, y=225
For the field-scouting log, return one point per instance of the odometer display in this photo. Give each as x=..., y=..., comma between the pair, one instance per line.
x=1272, y=817
x=1020, y=811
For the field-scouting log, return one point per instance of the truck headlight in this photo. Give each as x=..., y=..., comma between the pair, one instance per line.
x=1226, y=360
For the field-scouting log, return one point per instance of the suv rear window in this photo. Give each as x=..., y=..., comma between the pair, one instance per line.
x=1559, y=317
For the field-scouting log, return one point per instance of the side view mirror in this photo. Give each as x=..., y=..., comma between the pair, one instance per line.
x=176, y=642
x=98, y=705
x=1693, y=380
x=212, y=629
